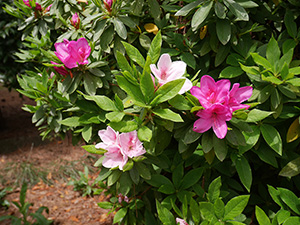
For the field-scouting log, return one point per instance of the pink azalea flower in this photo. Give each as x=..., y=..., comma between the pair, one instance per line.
x=181, y=221
x=61, y=69
x=48, y=8
x=167, y=71
x=75, y=20
x=119, y=147
x=108, y=2
x=238, y=95
x=214, y=117
x=72, y=53
x=211, y=92
x=131, y=145
x=37, y=5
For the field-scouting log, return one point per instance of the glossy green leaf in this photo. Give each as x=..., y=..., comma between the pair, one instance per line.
x=121, y=213
x=187, y=8
x=235, y=206
x=120, y=27
x=220, y=10
x=220, y=148
x=134, y=54
x=191, y=178
x=201, y=14
x=223, y=28
x=272, y=137
x=231, y=72
x=290, y=199
x=261, y=217
x=214, y=190
x=244, y=171
x=168, y=115
x=291, y=169
x=256, y=115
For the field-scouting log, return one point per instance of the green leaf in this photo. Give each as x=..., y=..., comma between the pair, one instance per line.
x=290, y=199
x=102, y=101
x=132, y=90
x=180, y=102
x=207, y=210
x=113, y=177
x=154, y=51
x=273, y=52
x=71, y=121
x=293, y=220
x=168, y=90
x=143, y=170
x=244, y=171
x=125, y=183
x=154, y=9
x=201, y=14
x=219, y=208
x=207, y=142
x=286, y=91
x=290, y=24
x=105, y=205
x=115, y=116
x=220, y=148
x=147, y=86
x=237, y=10
x=92, y=149
x=120, y=215
x=134, y=54
x=261, y=61
x=195, y=211
x=191, y=178
x=275, y=194
x=256, y=115
x=220, y=10
x=223, y=30
x=123, y=63
x=119, y=27
x=231, y=72
x=87, y=133
x=261, y=217
x=168, y=115
x=214, y=190
x=145, y=133
x=272, y=137
x=222, y=54
x=145, y=41
x=165, y=216
x=291, y=169
x=294, y=82
x=235, y=206
x=177, y=175
x=99, y=28
x=124, y=126
x=187, y=8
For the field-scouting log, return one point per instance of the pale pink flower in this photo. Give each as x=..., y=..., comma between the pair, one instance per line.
x=238, y=95
x=75, y=20
x=131, y=145
x=109, y=137
x=181, y=221
x=72, y=53
x=211, y=92
x=167, y=71
x=122, y=198
x=119, y=147
x=214, y=117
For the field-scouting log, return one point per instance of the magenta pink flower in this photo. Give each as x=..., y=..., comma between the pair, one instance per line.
x=214, y=117
x=238, y=95
x=108, y=2
x=167, y=71
x=219, y=103
x=61, y=69
x=37, y=5
x=73, y=53
x=75, y=21
x=119, y=147
x=181, y=221
x=48, y=8
x=211, y=92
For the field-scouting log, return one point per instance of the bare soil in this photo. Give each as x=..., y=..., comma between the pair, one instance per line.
x=20, y=144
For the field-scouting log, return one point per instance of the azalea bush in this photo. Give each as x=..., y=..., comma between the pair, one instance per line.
x=192, y=106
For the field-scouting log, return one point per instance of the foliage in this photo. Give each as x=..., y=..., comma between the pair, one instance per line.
x=83, y=184
x=3, y=192
x=118, y=84
x=23, y=207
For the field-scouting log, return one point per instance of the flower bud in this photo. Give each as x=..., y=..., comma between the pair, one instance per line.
x=75, y=21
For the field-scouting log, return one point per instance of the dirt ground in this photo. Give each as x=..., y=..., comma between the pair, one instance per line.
x=21, y=146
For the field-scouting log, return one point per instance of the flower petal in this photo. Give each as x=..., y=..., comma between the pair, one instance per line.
x=186, y=86
x=201, y=125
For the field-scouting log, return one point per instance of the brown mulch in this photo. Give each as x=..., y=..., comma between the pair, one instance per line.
x=20, y=143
